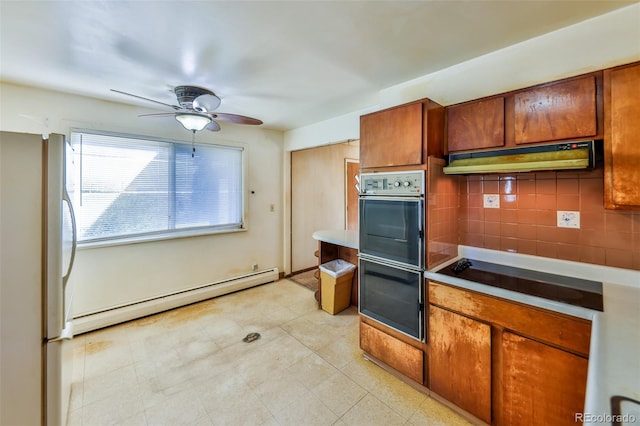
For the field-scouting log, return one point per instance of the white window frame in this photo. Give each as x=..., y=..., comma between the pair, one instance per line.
x=175, y=233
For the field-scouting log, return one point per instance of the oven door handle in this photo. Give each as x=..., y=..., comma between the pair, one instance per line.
x=414, y=198
x=391, y=264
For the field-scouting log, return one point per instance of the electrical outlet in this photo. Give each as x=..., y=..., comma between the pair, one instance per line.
x=254, y=266
x=491, y=201
x=567, y=219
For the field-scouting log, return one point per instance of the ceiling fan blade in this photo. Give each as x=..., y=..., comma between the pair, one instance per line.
x=213, y=126
x=146, y=99
x=206, y=103
x=158, y=114
x=235, y=118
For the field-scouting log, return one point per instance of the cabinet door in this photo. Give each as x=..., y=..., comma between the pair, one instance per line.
x=460, y=361
x=541, y=385
x=560, y=111
x=622, y=145
x=392, y=137
x=405, y=358
x=476, y=125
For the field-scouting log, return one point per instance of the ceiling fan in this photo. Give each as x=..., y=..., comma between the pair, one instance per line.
x=196, y=109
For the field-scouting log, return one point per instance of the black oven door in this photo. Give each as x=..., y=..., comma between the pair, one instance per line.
x=392, y=296
x=391, y=229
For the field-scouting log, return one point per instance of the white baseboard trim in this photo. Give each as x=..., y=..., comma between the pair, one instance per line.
x=143, y=308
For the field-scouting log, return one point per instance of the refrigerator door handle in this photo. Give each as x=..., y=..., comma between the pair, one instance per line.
x=74, y=238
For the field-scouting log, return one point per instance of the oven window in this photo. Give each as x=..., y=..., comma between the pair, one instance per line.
x=392, y=296
x=391, y=229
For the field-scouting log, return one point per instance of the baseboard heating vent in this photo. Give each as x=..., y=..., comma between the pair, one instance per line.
x=119, y=314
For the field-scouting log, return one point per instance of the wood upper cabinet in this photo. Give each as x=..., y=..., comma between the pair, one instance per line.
x=622, y=137
x=476, y=125
x=558, y=111
x=541, y=385
x=401, y=136
x=460, y=361
x=392, y=137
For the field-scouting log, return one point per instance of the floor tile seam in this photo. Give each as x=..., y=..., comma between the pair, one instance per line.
x=352, y=406
x=312, y=395
x=101, y=401
x=102, y=375
x=400, y=413
x=366, y=392
x=173, y=395
x=109, y=396
x=330, y=362
x=325, y=379
x=81, y=403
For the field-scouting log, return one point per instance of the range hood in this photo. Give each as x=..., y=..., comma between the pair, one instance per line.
x=559, y=156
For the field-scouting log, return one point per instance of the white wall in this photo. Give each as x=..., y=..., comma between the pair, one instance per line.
x=605, y=41
x=111, y=276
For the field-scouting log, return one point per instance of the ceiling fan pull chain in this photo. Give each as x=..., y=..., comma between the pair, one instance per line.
x=193, y=143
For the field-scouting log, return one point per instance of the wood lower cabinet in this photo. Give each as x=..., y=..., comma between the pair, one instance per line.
x=460, y=361
x=399, y=355
x=505, y=362
x=559, y=111
x=622, y=137
x=540, y=384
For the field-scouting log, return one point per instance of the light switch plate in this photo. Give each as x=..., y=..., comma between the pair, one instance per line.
x=568, y=219
x=491, y=201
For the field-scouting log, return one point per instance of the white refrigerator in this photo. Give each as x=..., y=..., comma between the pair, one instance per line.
x=37, y=248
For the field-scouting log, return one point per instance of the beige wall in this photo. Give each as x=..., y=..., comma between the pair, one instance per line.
x=317, y=197
x=605, y=41
x=111, y=276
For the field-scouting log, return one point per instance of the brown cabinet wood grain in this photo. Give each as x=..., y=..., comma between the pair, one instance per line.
x=399, y=355
x=404, y=135
x=476, y=125
x=537, y=367
x=392, y=137
x=541, y=385
x=460, y=361
x=558, y=111
x=622, y=137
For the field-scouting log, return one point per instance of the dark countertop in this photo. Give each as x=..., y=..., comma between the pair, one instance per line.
x=561, y=288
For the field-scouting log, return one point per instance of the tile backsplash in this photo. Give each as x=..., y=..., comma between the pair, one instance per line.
x=527, y=217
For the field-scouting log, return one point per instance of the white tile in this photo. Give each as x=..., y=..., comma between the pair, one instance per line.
x=123, y=407
x=183, y=408
x=372, y=411
x=110, y=384
x=190, y=366
x=339, y=393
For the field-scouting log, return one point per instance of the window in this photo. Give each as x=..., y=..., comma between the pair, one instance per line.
x=132, y=187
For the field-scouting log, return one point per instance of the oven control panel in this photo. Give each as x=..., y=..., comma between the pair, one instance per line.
x=408, y=183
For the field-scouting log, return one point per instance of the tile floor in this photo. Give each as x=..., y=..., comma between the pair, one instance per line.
x=189, y=366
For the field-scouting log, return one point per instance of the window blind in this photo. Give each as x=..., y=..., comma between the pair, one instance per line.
x=131, y=186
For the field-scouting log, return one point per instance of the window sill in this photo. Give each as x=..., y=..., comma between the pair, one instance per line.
x=156, y=237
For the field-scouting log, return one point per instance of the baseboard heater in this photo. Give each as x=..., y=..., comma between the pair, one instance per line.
x=128, y=312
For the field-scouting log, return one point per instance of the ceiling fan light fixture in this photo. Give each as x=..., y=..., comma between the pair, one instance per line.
x=193, y=122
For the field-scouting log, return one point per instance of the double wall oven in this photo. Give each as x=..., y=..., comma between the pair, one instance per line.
x=391, y=210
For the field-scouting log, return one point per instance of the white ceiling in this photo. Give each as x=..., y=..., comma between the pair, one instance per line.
x=288, y=63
